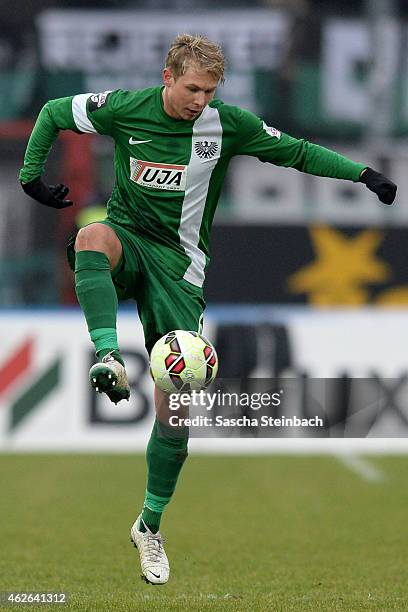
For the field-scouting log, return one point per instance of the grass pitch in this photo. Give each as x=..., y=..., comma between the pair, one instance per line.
x=242, y=533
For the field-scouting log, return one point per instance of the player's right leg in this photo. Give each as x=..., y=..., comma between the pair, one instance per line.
x=98, y=252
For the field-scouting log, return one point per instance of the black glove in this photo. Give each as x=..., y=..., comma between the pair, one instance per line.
x=380, y=184
x=51, y=195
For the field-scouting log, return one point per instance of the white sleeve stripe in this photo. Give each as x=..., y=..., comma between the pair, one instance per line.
x=79, y=112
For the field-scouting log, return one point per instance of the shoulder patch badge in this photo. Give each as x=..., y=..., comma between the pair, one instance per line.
x=271, y=130
x=97, y=100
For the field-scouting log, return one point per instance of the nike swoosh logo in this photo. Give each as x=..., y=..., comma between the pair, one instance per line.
x=133, y=141
x=155, y=575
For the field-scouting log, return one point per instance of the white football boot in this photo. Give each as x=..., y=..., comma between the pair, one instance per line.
x=109, y=376
x=153, y=560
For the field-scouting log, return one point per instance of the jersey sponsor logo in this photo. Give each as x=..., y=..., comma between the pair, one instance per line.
x=206, y=149
x=170, y=177
x=271, y=130
x=98, y=100
x=133, y=141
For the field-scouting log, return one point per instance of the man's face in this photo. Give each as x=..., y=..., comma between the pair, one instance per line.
x=187, y=96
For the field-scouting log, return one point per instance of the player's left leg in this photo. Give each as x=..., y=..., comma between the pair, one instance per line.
x=165, y=455
x=167, y=447
x=164, y=304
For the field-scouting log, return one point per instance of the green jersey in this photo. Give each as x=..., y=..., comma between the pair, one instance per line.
x=170, y=172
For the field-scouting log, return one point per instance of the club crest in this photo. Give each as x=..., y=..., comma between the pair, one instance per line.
x=206, y=149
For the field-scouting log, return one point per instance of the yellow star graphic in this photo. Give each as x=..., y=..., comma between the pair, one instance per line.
x=342, y=267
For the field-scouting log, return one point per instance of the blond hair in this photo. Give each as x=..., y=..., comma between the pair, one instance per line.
x=197, y=51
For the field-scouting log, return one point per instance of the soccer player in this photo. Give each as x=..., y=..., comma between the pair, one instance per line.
x=173, y=144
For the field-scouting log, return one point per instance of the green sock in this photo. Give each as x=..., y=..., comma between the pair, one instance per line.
x=97, y=297
x=151, y=519
x=165, y=456
x=101, y=354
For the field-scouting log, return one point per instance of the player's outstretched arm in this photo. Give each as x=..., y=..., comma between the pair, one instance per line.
x=385, y=189
x=269, y=144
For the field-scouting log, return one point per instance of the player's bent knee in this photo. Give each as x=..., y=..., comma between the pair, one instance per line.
x=99, y=237
x=91, y=237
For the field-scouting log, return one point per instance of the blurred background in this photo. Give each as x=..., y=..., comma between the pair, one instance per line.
x=309, y=276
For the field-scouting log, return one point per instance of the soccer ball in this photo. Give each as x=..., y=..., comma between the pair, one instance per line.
x=183, y=361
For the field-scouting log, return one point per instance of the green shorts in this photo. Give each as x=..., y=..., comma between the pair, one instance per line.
x=164, y=301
